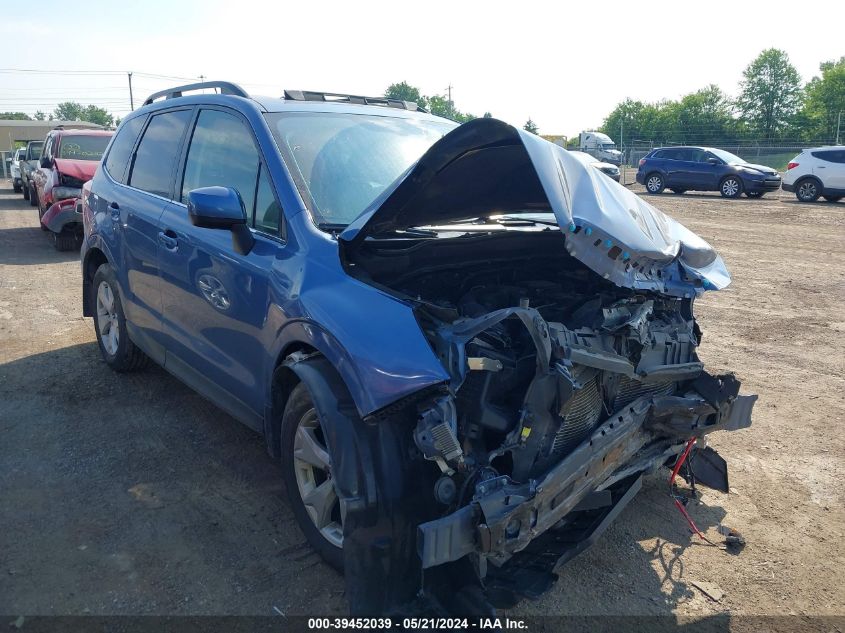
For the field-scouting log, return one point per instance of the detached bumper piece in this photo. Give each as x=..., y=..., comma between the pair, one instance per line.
x=530, y=573
x=504, y=517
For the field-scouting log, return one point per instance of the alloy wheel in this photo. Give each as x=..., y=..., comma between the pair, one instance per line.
x=808, y=191
x=654, y=184
x=312, y=467
x=730, y=188
x=107, y=322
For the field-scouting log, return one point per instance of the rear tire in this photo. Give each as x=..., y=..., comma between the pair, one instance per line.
x=306, y=468
x=65, y=241
x=730, y=187
x=17, y=188
x=807, y=190
x=833, y=198
x=119, y=352
x=654, y=183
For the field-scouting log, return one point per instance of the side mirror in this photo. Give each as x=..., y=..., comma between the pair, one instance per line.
x=45, y=162
x=714, y=161
x=221, y=208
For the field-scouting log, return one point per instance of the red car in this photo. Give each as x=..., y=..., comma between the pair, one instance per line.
x=69, y=159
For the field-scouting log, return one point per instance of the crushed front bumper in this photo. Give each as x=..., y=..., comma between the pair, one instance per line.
x=505, y=516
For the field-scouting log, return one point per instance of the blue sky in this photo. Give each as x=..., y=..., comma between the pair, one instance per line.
x=564, y=65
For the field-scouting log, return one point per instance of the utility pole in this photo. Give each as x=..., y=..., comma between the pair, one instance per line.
x=131, y=99
x=838, y=123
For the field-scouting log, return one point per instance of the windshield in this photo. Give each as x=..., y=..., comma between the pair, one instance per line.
x=730, y=159
x=342, y=162
x=83, y=147
x=35, y=150
x=608, y=145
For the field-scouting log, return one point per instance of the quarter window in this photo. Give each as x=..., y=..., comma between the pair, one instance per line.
x=155, y=158
x=121, y=148
x=267, y=211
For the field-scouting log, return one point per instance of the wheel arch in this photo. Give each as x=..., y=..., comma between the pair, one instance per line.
x=94, y=258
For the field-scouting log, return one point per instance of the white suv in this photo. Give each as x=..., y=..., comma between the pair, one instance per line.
x=817, y=172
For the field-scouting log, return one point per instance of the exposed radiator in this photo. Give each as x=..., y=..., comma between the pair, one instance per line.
x=579, y=416
x=630, y=389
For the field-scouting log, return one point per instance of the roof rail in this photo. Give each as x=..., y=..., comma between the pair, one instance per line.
x=226, y=88
x=333, y=97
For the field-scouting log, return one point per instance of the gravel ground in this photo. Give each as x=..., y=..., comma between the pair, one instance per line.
x=130, y=494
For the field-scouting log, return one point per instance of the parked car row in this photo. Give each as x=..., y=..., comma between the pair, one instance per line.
x=814, y=173
x=464, y=376
x=51, y=174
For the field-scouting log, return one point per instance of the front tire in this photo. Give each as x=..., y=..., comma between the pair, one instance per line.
x=306, y=467
x=654, y=183
x=807, y=190
x=119, y=352
x=33, y=198
x=730, y=187
x=17, y=188
x=25, y=192
x=65, y=241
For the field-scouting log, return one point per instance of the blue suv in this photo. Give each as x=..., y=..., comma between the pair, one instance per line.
x=463, y=345
x=704, y=169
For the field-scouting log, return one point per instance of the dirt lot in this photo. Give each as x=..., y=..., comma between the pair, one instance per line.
x=132, y=495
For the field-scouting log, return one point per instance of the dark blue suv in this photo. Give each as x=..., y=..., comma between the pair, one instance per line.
x=704, y=169
x=454, y=338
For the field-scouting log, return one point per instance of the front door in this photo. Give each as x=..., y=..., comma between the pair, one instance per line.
x=216, y=300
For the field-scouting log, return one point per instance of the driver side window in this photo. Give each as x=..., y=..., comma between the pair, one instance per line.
x=222, y=154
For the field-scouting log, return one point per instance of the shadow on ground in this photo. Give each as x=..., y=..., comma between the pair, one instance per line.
x=130, y=494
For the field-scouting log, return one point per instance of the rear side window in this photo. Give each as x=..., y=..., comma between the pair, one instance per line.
x=121, y=148
x=155, y=158
x=830, y=155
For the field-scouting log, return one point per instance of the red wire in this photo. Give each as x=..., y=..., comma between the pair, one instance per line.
x=679, y=505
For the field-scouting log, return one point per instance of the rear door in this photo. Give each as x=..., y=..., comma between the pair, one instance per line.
x=216, y=300
x=829, y=166
x=136, y=209
x=674, y=165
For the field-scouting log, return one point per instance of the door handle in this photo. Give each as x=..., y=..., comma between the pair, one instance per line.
x=168, y=240
x=114, y=209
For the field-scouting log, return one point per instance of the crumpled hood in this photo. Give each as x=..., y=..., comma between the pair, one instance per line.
x=487, y=167
x=81, y=169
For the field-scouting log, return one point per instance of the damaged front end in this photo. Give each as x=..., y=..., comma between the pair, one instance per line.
x=561, y=306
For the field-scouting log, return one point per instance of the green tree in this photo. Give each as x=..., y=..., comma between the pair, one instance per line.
x=530, y=126
x=15, y=116
x=40, y=116
x=93, y=114
x=770, y=93
x=437, y=104
x=72, y=111
x=825, y=99
x=406, y=92
x=487, y=115
x=68, y=111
